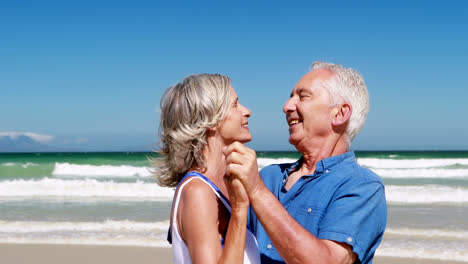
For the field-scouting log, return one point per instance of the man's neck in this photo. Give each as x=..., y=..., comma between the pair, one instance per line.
x=311, y=156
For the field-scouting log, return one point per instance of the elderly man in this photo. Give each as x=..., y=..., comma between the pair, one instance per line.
x=324, y=208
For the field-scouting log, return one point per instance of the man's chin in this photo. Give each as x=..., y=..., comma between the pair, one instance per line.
x=292, y=141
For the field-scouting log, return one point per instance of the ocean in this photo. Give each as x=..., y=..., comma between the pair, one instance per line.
x=112, y=199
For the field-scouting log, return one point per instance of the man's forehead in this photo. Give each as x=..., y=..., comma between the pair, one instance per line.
x=313, y=79
x=321, y=74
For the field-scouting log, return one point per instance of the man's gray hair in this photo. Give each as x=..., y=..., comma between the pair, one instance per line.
x=347, y=85
x=188, y=109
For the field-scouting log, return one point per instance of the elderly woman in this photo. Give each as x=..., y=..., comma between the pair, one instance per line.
x=200, y=116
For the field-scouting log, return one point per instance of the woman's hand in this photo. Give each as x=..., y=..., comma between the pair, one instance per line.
x=237, y=194
x=234, y=244
x=242, y=164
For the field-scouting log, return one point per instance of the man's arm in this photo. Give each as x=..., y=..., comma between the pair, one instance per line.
x=293, y=242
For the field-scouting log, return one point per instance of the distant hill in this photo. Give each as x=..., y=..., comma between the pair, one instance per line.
x=22, y=143
x=13, y=141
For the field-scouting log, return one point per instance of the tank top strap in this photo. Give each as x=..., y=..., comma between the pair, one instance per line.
x=213, y=186
x=194, y=175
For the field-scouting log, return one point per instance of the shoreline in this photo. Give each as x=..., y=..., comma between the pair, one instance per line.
x=403, y=260
x=12, y=253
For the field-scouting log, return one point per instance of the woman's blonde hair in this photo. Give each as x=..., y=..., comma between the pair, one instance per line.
x=188, y=109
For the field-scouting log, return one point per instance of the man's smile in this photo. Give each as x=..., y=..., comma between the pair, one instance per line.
x=294, y=121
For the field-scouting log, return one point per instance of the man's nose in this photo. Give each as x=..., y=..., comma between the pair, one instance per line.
x=289, y=106
x=247, y=112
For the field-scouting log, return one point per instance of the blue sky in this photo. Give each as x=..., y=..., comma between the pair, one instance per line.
x=91, y=73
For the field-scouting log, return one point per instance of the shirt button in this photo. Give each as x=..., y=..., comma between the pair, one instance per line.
x=309, y=210
x=269, y=246
x=284, y=181
x=326, y=170
x=350, y=239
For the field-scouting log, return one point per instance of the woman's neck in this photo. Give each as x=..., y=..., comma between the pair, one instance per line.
x=215, y=164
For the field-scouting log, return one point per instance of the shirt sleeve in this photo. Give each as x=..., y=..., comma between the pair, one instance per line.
x=357, y=216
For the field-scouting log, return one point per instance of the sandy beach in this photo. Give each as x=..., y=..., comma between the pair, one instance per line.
x=78, y=254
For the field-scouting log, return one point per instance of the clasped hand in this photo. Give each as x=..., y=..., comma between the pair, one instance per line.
x=242, y=178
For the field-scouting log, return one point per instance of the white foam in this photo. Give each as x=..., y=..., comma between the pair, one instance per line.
x=68, y=169
x=124, y=232
x=409, y=163
x=428, y=233
x=48, y=187
x=23, y=165
x=426, y=194
x=29, y=164
x=442, y=244
x=96, y=240
x=422, y=173
x=19, y=227
x=406, y=250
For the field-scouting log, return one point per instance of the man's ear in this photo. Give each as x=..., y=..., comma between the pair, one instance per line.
x=342, y=113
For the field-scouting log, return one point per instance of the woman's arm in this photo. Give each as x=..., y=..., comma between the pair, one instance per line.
x=235, y=238
x=199, y=216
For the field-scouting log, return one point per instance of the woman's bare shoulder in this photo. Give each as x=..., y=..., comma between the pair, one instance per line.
x=198, y=212
x=198, y=194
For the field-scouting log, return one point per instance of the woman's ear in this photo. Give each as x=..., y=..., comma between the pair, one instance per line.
x=342, y=113
x=212, y=130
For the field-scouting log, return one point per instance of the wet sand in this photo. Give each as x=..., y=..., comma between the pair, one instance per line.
x=79, y=254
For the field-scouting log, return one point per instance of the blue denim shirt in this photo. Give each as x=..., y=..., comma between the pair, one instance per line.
x=341, y=201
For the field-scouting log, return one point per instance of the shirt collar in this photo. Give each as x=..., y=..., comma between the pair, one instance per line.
x=324, y=164
x=330, y=162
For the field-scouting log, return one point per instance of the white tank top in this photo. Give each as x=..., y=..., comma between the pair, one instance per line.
x=180, y=250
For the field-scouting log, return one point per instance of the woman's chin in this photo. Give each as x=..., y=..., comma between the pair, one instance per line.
x=242, y=140
x=247, y=139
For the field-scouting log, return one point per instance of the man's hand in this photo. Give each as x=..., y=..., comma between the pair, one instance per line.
x=242, y=164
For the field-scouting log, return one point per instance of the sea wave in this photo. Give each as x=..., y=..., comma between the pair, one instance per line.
x=426, y=194
x=88, y=233
x=68, y=169
x=420, y=168
x=424, y=249
x=422, y=173
x=48, y=187
x=428, y=233
x=409, y=163
x=117, y=240
x=22, y=165
x=442, y=244
x=105, y=226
